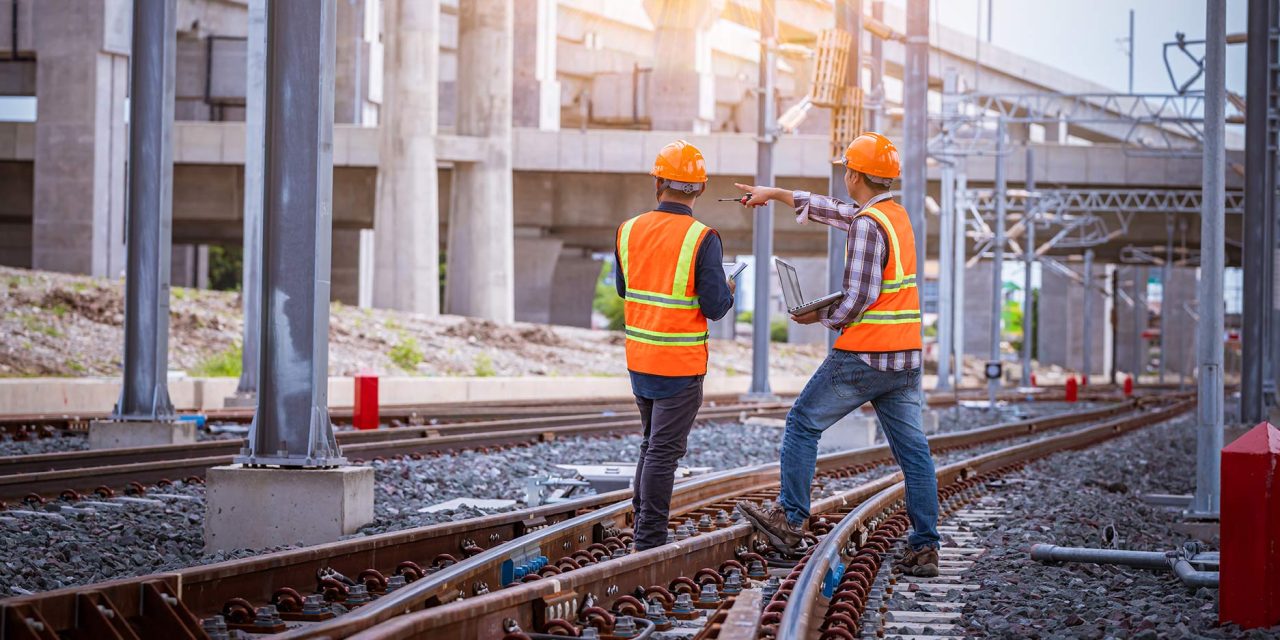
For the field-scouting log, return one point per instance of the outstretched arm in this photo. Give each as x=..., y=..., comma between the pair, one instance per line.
x=822, y=209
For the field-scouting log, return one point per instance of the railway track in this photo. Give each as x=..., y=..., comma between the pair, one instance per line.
x=42, y=477
x=483, y=577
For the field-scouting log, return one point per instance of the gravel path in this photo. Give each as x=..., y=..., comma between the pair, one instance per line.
x=1067, y=499
x=42, y=552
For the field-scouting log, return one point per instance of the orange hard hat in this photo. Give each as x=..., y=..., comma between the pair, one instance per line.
x=872, y=154
x=680, y=162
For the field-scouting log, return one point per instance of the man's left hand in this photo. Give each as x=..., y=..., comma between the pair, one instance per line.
x=807, y=318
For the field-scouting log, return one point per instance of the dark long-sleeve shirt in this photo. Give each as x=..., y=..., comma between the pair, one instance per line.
x=714, y=299
x=867, y=253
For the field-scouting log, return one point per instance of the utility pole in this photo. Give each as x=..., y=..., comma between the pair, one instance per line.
x=946, y=246
x=1209, y=412
x=246, y=394
x=957, y=304
x=762, y=238
x=1166, y=274
x=915, y=124
x=1131, y=52
x=1087, y=325
x=997, y=260
x=848, y=18
x=1029, y=259
x=1259, y=203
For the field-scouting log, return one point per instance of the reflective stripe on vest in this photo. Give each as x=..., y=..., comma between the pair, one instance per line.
x=684, y=266
x=662, y=338
x=901, y=282
x=892, y=321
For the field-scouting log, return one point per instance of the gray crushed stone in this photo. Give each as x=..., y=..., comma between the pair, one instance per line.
x=1067, y=499
x=39, y=553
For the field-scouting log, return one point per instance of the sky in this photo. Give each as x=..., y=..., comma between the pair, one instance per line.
x=1081, y=37
x=1085, y=37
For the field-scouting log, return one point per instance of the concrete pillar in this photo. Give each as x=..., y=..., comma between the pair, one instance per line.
x=1179, y=295
x=15, y=214
x=536, y=259
x=813, y=282
x=1131, y=320
x=344, y=269
x=182, y=265
x=81, y=84
x=574, y=288
x=356, y=87
x=407, y=216
x=682, y=92
x=976, y=310
x=1061, y=334
x=481, y=246
x=536, y=102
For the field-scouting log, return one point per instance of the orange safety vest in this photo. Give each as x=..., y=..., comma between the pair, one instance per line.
x=665, y=329
x=892, y=322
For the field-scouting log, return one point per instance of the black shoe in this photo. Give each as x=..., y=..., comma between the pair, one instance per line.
x=773, y=523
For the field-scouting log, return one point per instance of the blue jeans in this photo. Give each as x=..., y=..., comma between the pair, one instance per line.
x=840, y=385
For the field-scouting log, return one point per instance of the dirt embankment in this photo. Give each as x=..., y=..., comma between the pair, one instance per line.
x=62, y=325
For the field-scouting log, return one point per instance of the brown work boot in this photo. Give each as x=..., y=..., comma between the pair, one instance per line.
x=772, y=522
x=921, y=563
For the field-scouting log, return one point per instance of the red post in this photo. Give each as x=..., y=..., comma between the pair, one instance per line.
x=1033, y=378
x=366, y=401
x=1128, y=386
x=1084, y=379
x=1071, y=389
x=1249, y=585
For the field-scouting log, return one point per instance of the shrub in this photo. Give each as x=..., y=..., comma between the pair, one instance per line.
x=406, y=353
x=607, y=302
x=778, y=330
x=484, y=366
x=223, y=364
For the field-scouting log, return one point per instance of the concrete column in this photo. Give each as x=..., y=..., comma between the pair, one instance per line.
x=813, y=282
x=182, y=261
x=1179, y=294
x=536, y=259
x=407, y=216
x=81, y=84
x=357, y=66
x=481, y=246
x=1131, y=321
x=574, y=288
x=1061, y=335
x=536, y=102
x=344, y=269
x=975, y=310
x=682, y=92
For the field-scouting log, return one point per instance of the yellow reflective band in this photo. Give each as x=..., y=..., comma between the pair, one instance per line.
x=893, y=238
x=887, y=321
x=904, y=316
x=685, y=264
x=664, y=339
x=661, y=300
x=623, y=241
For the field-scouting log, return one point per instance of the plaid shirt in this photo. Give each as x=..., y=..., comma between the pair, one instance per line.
x=866, y=256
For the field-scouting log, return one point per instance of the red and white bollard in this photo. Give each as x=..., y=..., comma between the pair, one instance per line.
x=1249, y=585
x=1072, y=391
x=365, y=415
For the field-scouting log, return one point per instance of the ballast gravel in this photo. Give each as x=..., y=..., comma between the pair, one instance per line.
x=51, y=547
x=1070, y=499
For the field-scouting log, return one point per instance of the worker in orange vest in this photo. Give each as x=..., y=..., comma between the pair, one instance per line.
x=876, y=358
x=668, y=269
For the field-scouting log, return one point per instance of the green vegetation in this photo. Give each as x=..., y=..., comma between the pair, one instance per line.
x=180, y=293
x=484, y=366
x=223, y=364
x=607, y=302
x=406, y=353
x=60, y=309
x=778, y=330
x=225, y=266
x=35, y=325
x=746, y=316
x=76, y=367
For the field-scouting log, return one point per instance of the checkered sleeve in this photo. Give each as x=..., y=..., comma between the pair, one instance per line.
x=863, y=271
x=823, y=209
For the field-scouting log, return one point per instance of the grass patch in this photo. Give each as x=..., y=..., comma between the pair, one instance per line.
x=223, y=364
x=34, y=325
x=179, y=293
x=484, y=366
x=60, y=309
x=406, y=353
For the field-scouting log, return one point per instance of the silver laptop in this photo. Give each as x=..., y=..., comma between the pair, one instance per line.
x=791, y=291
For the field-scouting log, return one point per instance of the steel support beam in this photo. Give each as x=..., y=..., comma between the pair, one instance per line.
x=1258, y=211
x=1166, y=274
x=144, y=392
x=762, y=233
x=254, y=149
x=915, y=124
x=291, y=426
x=997, y=260
x=1029, y=259
x=947, y=272
x=848, y=17
x=957, y=304
x=1086, y=359
x=1209, y=409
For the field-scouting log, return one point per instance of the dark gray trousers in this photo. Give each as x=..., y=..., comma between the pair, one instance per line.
x=666, y=434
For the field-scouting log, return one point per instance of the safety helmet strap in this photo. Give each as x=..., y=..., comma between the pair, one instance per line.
x=687, y=188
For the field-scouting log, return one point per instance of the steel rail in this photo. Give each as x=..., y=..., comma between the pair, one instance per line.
x=204, y=589
x=807, y=600
x=485, y=568
x=411, y=440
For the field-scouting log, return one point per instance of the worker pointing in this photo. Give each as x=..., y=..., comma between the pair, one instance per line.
x=876, y=358
x=668, y=269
